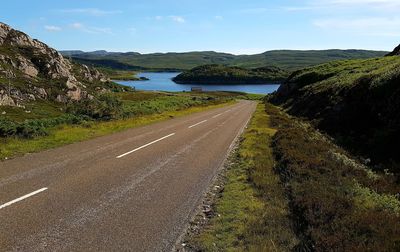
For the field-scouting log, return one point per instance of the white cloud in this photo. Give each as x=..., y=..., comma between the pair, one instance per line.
x=178, y=19
x=52, y=28
x=77, y=26
x=159, y=17
x=92, y=11
x=219, y=17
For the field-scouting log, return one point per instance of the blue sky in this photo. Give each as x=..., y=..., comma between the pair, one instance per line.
x=239, y=27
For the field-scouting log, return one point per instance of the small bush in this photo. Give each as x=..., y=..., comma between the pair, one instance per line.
x=39, y=127
x=105, y=107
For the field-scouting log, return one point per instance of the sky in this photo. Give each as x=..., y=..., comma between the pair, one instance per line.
x=233, y=26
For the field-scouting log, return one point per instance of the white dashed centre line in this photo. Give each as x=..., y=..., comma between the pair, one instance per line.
x=146, y=145
x=194, y=125
x=23, y=197
x=217, y=115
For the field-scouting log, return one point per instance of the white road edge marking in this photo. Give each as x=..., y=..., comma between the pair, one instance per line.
x=144, y=146
x=23, y=197
x=194, y=125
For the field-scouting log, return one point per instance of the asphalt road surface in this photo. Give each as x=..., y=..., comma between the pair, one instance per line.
x=130, y=191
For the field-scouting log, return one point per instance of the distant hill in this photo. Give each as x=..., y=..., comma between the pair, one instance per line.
x=286, y=59
x=355, y=101
x=220, y=74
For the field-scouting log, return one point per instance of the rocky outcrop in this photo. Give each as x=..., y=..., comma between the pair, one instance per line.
x=395, y=52
x=5, y=99
x=92, y=74
x=30, y=61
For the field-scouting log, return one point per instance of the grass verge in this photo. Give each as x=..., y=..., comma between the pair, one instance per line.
x=252, y=212
x=67, y=134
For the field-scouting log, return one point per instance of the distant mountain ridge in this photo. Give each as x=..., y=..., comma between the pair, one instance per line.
x=285, y=59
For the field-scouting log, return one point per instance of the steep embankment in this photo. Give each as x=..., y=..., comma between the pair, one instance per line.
x=30, y=70
x=355, y=101
x=219, y=74
x=337, y=203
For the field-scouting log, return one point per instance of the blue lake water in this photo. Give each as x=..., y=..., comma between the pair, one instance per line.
x=163, y=82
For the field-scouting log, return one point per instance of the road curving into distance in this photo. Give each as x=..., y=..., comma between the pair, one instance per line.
x=135, y=190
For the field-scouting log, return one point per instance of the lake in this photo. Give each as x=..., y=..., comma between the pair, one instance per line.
x=163, y=82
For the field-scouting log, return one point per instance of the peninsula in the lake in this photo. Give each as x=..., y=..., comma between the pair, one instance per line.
x=220, y=74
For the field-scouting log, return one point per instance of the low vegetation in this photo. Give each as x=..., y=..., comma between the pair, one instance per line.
x=22, y=132
x=355, y=101
x=291, y=188
x=252, y=213
x=123, y=75
x=336, y=202
x=219, y=74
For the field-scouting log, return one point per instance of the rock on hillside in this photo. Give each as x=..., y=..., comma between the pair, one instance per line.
x=395, y=52
x=29, y=70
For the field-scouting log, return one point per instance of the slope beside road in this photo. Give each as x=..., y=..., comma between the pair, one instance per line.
x=134, y=190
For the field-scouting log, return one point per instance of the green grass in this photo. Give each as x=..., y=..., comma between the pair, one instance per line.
x=337, y=203
x=45, y=125
x=119, y=74
x=252, y=211
x=355, y=101
x=34, y=110
x=67, y=134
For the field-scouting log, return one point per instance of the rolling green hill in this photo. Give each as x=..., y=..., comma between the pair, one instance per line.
x=220, y=74
x=355, y=101
x=286, y=59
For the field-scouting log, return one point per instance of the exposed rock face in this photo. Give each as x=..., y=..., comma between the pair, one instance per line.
x=32, y=61
x=395, y=52
x=5, y=99
x=26, y=66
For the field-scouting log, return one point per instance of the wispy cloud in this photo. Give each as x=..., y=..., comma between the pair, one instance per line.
x=178, y=19
x=92, y=12
x=52, y=28
x=362, y=23
x=375, y=26
x=379, y=5
x=91, y=30
x=219, y=17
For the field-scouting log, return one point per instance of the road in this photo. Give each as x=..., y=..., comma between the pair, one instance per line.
x=130, y=191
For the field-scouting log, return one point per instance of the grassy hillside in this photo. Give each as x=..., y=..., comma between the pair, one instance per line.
x=337, y=203
x=285, y=59
x=292, y=59
x=219, y=74
x=51, y=124
x=355, y=101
